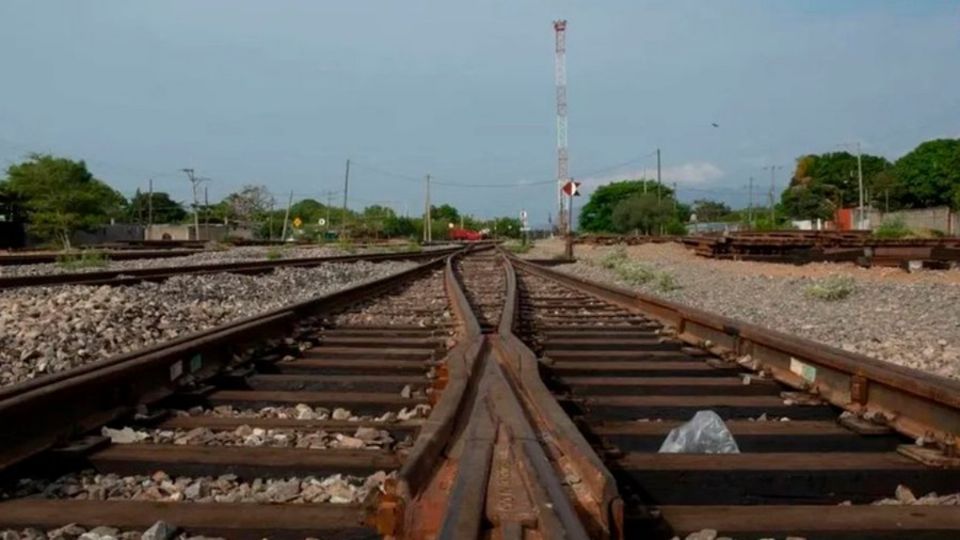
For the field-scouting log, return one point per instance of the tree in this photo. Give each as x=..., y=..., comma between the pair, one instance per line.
x=61, y=196
x=709, y=211
x=821, y=183
x=250, y=204
x=597, y=214
x=928, y=176
x=165, y=209
x=643, y=213
x=445, y=214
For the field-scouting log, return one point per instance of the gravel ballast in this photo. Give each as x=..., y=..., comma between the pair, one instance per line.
x=46, y=330
x=911, y=320
x=232, y=255
x=89, y=485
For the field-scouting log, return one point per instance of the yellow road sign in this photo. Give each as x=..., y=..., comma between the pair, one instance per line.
x=297, y=222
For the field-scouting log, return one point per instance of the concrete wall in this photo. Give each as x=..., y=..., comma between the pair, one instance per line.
x=108, y=233
x=208, y=232
x=938, y=218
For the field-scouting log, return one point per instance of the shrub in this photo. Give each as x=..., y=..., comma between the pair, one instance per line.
x=615, y=258
x=518, y=247
x=73, y=260
x=892, y=228
x=665, y=282
x=634, y=273
x=832, y=288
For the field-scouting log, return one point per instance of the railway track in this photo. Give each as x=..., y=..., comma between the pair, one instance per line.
x=131, y=276
x=478, y=396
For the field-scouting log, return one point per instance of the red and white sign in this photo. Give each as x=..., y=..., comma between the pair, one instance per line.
x=571, y=188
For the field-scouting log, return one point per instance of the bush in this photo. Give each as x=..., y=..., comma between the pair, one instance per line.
x=518, y=247
x=675, y=228
x=73, y=260
x=634, y=273
x=892, y=228
x=615, y=258
x=832, y=288
x=665, y=282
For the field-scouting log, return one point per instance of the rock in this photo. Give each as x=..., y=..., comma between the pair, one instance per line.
x=904, y=495
x=341, y=414
x=123, y=436
x=406, y=392
x=703, y=534
x=283, y=490
x=160, y=530
x=345, y=441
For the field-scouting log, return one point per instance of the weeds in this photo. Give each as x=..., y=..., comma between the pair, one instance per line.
x=614, y=259
x=73, y=260
x=665, y=282
x=635, y=273
x=518, y=247
x=892, y=228
x=832, y=288
x=274, y=254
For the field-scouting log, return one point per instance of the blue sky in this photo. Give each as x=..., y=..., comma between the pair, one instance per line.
x=281, y=93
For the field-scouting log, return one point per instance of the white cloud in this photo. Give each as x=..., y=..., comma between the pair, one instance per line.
x=686, y=175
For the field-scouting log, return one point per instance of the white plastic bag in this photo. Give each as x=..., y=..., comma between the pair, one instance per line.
x=705, y=433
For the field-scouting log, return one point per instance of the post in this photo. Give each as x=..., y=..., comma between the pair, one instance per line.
x=658, y=176
x=286, y=218
x=860, y=182
x=329, y=204
x=750, y=208
x=427, y=234
x=150, y=202
x=773, y=184
x=206, y=208
x=196, y=203
x=346, y=189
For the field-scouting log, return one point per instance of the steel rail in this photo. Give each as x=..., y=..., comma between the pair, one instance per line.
x=479, y=468
x=126, y=277
x=40, y=413
x=914, y=403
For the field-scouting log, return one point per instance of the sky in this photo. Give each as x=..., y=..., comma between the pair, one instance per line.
x=282, y=93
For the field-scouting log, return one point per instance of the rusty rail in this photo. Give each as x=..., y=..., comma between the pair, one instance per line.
x=914, y=403
x=127, y=277
x=62, y=405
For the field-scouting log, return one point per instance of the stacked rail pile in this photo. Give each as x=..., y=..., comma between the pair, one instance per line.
x=801, y=247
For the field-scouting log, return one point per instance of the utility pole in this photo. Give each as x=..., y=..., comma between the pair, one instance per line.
x=150, y=202
x=560, y=79
x=206, y=208
x=750, y=208
x=658, y=176
x=329, y=204
x=860, y=221
x=194, y=182
x=286, y=218
x=427, y=233
x=346, y=189
x=773, y=187
x=675, y=197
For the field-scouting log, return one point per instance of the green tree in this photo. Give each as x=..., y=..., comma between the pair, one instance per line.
x=62, y=196
x=642, y=213
x=445, y=214
x=928, y=176
x=709, y=211
x=824, y=182
x=165, y=209
x=597, y=213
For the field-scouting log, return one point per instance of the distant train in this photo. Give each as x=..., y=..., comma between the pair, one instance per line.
x=466, y=235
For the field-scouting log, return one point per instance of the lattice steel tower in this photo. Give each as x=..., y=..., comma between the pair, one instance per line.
x=560, y=29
